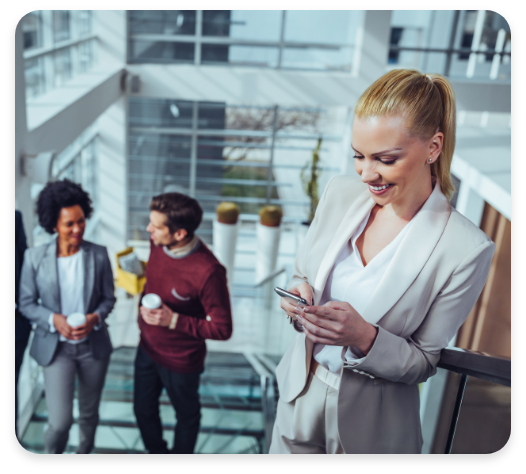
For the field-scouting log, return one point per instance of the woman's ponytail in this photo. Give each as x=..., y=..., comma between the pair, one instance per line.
x=441, y=168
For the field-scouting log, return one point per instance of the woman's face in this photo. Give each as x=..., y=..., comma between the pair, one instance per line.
x=71, y=225
x=395, y=165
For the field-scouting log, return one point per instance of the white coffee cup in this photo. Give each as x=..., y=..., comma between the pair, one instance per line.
x=151, y=301
x=76, y=319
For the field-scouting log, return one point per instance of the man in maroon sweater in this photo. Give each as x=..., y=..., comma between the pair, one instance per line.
x=195, y=306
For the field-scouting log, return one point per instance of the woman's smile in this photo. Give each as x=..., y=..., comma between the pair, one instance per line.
x=380, y=188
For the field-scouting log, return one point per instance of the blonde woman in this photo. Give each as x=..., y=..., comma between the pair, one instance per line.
x=392, y=271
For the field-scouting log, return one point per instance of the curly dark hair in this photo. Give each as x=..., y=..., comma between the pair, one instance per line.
x=55, y=196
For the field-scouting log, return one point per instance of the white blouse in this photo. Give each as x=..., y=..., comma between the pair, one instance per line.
x=71, y=284
x=350, y=281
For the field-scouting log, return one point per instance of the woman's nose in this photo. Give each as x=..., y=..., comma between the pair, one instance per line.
x=368, y=173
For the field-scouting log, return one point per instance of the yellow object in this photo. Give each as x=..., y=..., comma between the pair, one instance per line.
x=132, y=283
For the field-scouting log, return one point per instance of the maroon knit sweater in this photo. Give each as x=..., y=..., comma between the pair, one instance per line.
x=195, y=287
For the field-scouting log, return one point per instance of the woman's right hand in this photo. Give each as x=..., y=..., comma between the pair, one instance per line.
x=62, y=326
x=304, y=290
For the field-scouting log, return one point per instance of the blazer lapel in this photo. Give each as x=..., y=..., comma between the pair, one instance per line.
x=352, y=219
x=411, y=256
x=89, y=274
x=50, y=266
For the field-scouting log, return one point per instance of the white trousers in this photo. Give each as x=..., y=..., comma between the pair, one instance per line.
x=309, y=424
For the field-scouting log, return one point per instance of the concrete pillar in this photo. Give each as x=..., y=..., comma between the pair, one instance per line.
x=113, y=176
x=372, y=45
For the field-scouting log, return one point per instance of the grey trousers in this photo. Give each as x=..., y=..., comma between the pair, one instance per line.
x=59, y=380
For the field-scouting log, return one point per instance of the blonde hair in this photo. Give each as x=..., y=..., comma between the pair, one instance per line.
x=427, y=103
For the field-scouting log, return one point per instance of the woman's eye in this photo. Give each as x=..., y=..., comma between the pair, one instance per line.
x=358, y=157
x=388, y=162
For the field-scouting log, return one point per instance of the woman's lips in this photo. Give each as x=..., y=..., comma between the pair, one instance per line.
x=382, y=191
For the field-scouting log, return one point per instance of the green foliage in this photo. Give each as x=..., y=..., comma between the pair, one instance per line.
x=309, y=178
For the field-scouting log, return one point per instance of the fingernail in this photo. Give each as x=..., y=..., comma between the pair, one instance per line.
x=307, y=310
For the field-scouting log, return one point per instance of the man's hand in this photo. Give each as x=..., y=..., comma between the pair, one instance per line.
x=337, y=323
x=304, y=290
x=157, y=317
x=82, y=331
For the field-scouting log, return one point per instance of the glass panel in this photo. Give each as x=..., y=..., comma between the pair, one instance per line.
x=61, y=30
x=168, y=22
x=157, y=164
x=322, y=26
x=339, y=59
x=84, y=22
x=142, y=51
x=421, y=29
x=35, y=78
x=145, y=112
x=89, y=171
x=62, y=66
x=85, y=56
x=32, y=30
x=240, y=55
x=261, y=25
x=484, y=422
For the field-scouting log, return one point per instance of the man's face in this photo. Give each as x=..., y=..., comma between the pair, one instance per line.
x=160, y=233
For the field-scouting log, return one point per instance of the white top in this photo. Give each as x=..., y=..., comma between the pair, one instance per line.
x=350, y=281
x=71, y=284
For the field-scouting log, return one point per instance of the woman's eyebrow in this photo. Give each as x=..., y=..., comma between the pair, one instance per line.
x=380, y=152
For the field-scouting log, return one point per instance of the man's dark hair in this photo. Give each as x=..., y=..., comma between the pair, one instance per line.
x=181, y=211
x=55, y=196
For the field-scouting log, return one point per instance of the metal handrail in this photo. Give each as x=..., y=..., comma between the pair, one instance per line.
x=448, y=50
x=494, y=368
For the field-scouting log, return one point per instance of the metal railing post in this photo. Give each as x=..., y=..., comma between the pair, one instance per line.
x=456, y=413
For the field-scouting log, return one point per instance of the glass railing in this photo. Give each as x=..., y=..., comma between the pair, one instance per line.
x=484, y=387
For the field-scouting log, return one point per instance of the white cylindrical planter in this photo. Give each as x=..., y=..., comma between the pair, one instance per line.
x=267, y=250
x=225, y=237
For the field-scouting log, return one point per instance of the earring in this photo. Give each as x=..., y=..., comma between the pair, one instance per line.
x=430, y=160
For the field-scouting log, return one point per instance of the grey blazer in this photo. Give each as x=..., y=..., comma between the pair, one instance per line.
x=423, y=298
x=40, y=296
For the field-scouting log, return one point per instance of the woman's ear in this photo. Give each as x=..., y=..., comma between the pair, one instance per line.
x=435, y=147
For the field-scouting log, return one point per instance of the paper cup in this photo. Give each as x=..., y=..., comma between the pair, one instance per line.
x=76, y=319
x=151, y=301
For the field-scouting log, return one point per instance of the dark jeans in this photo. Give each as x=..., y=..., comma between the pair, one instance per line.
x=149, y=380
x=22, y=332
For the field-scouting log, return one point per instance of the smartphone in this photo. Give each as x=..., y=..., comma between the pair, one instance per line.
x=295, y=298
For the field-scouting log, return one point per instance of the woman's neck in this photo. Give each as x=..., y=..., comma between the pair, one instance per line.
x=408, y=208
x=64, y=249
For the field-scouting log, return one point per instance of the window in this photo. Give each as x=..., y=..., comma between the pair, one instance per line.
x=270, y=39
x=58, y=45
x=220, y=152
x=442, y=42
x=32, y=30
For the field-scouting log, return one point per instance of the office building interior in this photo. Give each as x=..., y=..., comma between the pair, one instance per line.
x=229, y=106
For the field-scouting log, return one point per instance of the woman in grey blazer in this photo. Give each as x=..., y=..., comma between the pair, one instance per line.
x=68, y=275
x=391, y=270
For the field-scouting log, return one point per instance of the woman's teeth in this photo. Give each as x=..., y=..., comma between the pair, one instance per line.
x=380, y=188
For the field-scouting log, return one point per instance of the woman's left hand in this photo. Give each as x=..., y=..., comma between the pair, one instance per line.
x=82, y=331
x=337, y=323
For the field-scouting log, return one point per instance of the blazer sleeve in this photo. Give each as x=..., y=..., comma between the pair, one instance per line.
x=299, y=270
x=107, y=300
x=29, y=294
x=414, y=360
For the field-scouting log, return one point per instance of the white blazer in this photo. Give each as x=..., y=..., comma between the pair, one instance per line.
x=424, y=297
